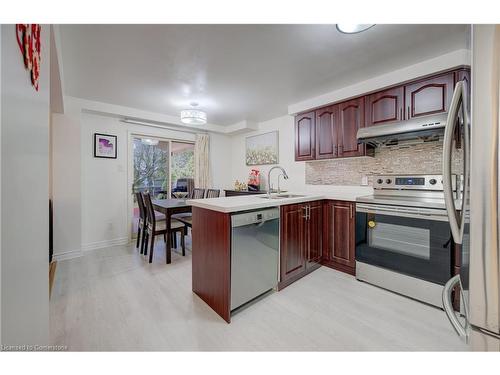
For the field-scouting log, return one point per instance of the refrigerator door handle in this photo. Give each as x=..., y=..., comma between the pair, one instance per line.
x=449, y=131
x=448, y=307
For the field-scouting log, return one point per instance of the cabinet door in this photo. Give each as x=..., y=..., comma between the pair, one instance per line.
x=292, y=246
x=305, y=138
x=326, y=134
x=429, y=96
x=339, y=228
x=351, y=118
x=314, y=232
x=385, y=106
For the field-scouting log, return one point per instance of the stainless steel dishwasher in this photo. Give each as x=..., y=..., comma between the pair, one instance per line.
x=254, y=254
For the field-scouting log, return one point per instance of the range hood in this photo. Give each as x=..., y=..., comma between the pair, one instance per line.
x=427, y=128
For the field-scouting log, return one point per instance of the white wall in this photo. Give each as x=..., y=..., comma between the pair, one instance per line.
x=295, y=170
x=24, y=195
x=285, y=124
x=91, y=195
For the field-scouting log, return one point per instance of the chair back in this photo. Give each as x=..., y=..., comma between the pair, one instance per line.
x=213, y=193
x=197, y=194
x=140, y=203
x=150, y=212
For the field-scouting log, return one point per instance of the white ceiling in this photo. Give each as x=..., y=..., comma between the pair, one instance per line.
x=236, y=72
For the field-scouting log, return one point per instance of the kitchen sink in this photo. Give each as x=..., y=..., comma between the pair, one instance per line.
x=281, y=196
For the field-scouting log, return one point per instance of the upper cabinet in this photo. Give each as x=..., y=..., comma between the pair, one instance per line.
x=385, y=106
x=330, y=132
x=351, y=118
x=432, y=95
x=305, y=138
x=326, y=130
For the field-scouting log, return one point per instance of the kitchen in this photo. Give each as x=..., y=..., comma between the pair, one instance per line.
x=329, y=187
x=352, y=185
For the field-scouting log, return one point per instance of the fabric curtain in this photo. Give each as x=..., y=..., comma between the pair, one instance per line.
x=202, y=174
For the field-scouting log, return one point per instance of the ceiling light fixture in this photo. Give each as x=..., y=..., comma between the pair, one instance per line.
x=193, y=116
x=353, y=28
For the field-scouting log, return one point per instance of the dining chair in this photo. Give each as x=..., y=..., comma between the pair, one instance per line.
x=141, y=223
x=155, y=228
x=197, y=193
x=212, y=193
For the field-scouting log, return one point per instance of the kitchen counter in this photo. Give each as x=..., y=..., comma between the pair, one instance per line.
x=310, y=193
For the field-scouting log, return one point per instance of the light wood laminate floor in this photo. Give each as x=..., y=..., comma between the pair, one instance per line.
x=112, y=299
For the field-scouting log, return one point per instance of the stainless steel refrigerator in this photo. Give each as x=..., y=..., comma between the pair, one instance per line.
x=475, y=220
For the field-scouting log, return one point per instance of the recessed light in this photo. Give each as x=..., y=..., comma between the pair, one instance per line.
x=353, y=28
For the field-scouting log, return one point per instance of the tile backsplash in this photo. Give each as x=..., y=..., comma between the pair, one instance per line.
x=416, y=157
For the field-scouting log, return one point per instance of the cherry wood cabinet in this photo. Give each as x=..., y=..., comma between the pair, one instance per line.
x=339, y=236
x=351, y=118
x=429, y=96
x=326, y=132
x=301, y=240
x=292, y=247
x=314, y=231
x=464, y=75
x=330, y=132
x=305, y=137
x=385, y=106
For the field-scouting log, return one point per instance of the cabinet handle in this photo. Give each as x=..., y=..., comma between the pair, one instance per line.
x=304, y=208
x=401, y=113
x=408, y=117
x=350, y=211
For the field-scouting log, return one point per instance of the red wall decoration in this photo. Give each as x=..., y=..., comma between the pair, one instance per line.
x=28, y=38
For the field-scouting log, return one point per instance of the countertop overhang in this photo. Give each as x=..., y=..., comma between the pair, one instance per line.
x=254, y=202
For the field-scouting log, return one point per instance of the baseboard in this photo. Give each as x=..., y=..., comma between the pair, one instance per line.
x=107, y=243
x=339, y=267
x=67, y=255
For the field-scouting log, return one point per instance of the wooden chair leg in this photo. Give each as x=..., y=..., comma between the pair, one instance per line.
x=144, y=245
x=174, y=239
x=152, y=248
x=138, y=236
x=183, y=243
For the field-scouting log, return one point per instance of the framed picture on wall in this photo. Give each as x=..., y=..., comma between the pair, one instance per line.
x=104, y=146
x=262, y=149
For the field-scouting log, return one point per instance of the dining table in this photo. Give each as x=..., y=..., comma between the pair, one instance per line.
x=170, y=207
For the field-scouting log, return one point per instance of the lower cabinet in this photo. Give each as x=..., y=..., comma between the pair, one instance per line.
x=339, y=236
x=301, y=240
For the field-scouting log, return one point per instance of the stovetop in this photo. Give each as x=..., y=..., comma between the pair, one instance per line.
x=408, y=191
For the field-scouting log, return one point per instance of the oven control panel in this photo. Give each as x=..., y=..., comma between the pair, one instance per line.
x=409, y=182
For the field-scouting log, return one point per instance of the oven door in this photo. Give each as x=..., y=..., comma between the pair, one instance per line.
x=413, y=241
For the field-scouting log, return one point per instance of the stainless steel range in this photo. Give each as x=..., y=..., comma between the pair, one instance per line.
x=403, y=238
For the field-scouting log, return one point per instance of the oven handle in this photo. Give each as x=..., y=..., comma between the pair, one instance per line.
x=428, y=214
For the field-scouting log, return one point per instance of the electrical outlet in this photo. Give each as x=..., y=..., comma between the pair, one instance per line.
x=364, y=181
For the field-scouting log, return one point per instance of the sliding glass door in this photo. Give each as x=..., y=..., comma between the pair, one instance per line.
x=151, y=166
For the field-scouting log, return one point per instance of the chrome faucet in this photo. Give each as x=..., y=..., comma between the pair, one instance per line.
x=285, y=176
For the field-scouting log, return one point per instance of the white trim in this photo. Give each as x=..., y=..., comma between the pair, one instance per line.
x=107, y=243
x=67, y=255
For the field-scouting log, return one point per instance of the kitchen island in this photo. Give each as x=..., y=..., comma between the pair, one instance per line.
x=304, y=242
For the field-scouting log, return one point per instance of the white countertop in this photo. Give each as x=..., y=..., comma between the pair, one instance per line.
x=310, y=193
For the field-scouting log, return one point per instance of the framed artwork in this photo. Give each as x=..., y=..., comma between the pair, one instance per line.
x=104, y=146
x=262, y=149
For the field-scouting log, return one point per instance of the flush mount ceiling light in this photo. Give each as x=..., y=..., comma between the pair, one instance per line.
x=353, y=28
x=193, y=116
